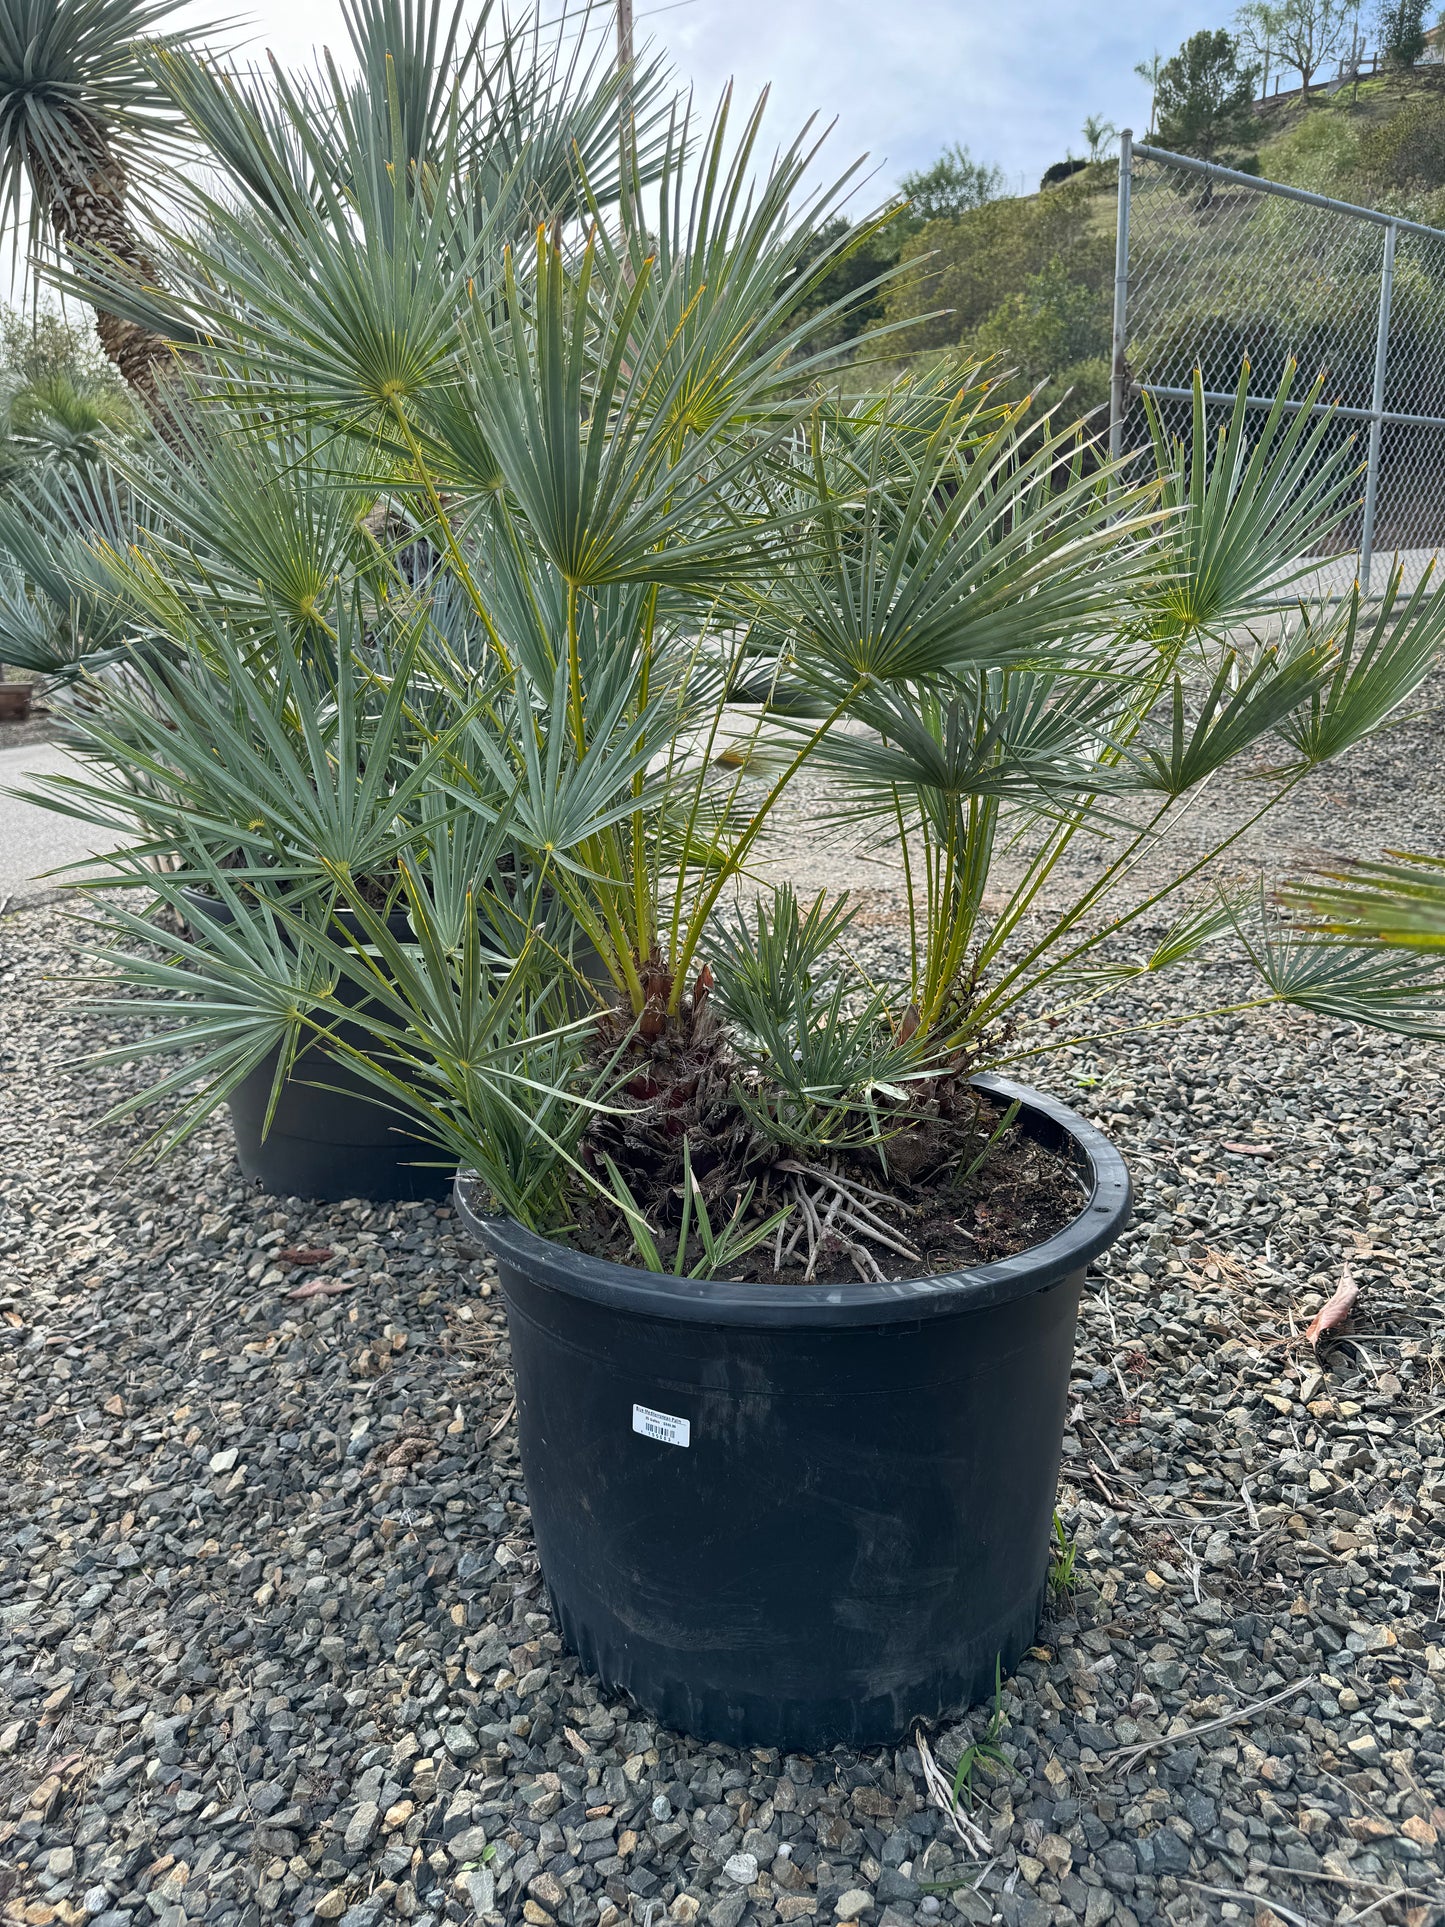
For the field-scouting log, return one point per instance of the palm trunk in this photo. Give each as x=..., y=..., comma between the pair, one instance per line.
x=89, y=217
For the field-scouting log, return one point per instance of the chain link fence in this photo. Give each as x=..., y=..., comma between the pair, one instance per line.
x=1214, y=267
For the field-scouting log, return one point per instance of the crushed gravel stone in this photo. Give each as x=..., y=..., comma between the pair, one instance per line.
x=274, y=1645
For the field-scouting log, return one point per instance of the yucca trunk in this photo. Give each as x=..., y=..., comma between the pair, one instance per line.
x=88, y=213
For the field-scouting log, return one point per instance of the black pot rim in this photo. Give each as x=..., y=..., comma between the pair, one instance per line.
x=398, y=922
x=713, y=1301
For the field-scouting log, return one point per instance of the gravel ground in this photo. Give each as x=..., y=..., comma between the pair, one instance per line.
x=38, y=727
x=274, y=1646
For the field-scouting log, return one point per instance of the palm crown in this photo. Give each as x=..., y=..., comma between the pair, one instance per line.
x=511, y=562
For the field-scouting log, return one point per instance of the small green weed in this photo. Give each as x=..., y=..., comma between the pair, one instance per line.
x=720, y=1247
x=986, y=1746
x=991, y=1142
x=1063, y=1554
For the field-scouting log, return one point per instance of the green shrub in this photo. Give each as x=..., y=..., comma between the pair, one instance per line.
x=969, y=266
x=954, y=184
x=1320, y=152
x=1055, y=328
x=1408, y=150
x=1401, y=29
x=851, y=272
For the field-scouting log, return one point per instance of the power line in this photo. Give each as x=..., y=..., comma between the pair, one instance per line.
x=589, y=19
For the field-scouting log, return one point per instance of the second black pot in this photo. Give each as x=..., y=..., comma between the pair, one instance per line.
x=329, y=1138
x=789, y=1516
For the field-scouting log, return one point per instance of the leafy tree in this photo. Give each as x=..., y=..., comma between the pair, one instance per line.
x=953, y=185
x=1304, y=33
x=40, y=344
x=1206, y=95
x=1256, y=28
x=1400, y=25
x=969, y=266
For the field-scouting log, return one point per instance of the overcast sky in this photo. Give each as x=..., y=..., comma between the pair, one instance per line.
x=1012, y=80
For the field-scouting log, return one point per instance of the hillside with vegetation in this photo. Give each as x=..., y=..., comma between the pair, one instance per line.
x=1378, y=142
x=1028, y=278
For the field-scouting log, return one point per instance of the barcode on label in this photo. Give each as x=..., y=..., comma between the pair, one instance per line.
x=662, y=1426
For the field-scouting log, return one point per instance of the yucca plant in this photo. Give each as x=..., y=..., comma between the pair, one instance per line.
x=84, y=127
x=636, y=571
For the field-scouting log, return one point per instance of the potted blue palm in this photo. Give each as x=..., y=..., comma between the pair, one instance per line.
x=791, y=1261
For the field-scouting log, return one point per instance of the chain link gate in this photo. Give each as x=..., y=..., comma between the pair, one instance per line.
x=1213, y=267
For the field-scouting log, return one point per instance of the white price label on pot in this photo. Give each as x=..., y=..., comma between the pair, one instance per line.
x=662, y=1426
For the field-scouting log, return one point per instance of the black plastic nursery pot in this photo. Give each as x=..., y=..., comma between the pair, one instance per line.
x=794, y=1515
x=329, y=1137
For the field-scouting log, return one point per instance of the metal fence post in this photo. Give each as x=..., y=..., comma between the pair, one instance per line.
x=1119, y=374
x=1377, y=408
x=1180, y=255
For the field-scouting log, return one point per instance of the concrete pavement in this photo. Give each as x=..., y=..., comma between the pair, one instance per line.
x=34, y=840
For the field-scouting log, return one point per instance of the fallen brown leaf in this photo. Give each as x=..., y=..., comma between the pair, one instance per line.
x=1330, y=1317
x=1249, y=1150
x=304, y=1255
x=323, y=1288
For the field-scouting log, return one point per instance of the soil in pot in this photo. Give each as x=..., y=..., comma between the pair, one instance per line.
x=799, y=1515
x=957, y=1190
